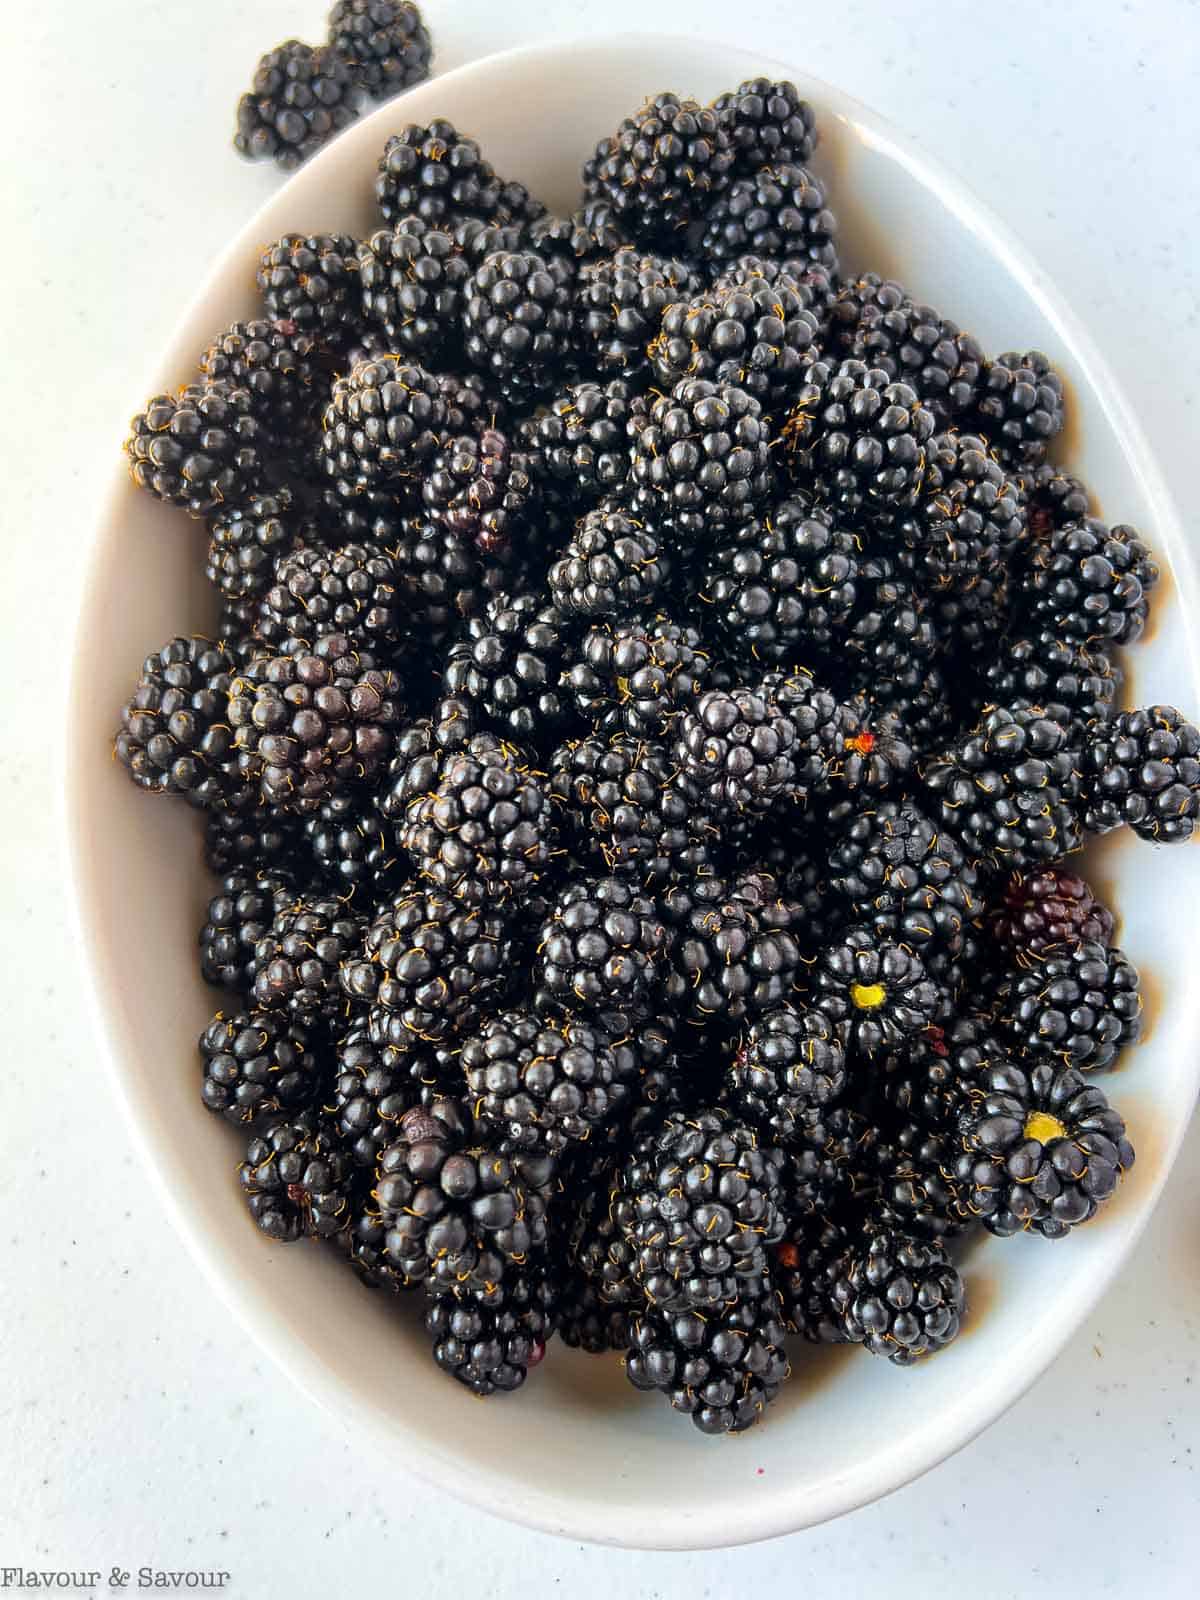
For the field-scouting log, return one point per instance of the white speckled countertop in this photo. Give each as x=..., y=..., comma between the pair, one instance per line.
x=137, y=1427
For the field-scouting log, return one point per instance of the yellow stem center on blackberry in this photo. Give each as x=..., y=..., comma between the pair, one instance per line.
x=1040, y=1125
x=866, y=996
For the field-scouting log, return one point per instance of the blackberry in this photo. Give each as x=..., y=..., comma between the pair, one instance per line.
x=1042, y=1150
x=722, y=1370
x=382, y=426
x=373, y=1087
x=766, y=121
x=811, y=1246
x=598, y=1254
x=779, y=211
x=889, y=632
x=413, y=278
x=875, y=321
x=385, y=44
x=300, y=955
x=1077, y=684
x=587, y=1323
x=508, y=666
x=236, y=920
x=252, y=837
x=351, y=849
x=1049, y=908
x=924, y=699
x=349, y=590
x=1089, y=582
x=174, y=735
x=736, y=945
x=637, y=675
x=612, y=563
x=540, y=1083
x=314, y=723
x=876, y=989
x=257, y=1065
x=1083, y=1005
x=1054, y=497
x=905, y=875
x=898, y=1296
x=246, y=541
x=862, y=436
x=578, y=445
x=619, y=304
x=490, y=1346
x=737, y=747
x=278, y=365
x=516, y=321
x=311, y=282
x=756, y=335
x=821, y=726
x=662, y=168
x=1020, y=407
x=1143, y=769
x=478, y=488
x=299, y=97
x=296, y=1180
x=437, y=174
x=927, y=1081
x=968, y=521
x=429, y=963
x=589, y=232
x=603, y=945
x=816, y=285
x=784, y=582
x=201, y=449
x=443, y=576
x=824, y=1165
x=786, y=1061
x=1006, y=789
x=699, y=1200
x=368, y=1257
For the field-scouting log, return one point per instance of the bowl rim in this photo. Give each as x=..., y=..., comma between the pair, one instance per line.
x=777, y=1513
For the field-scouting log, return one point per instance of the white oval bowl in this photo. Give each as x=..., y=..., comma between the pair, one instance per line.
x=579, y=1453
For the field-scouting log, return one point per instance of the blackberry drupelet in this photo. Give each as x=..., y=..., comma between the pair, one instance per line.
x=738, y=748
x=516, y=322
x=413, y=278
x=1076, y=684
x=637, y=675
x=348, y=590
x=900, y=1297
x=298, y=959
x=1020, y=407
x=619, y=304
x=579, y=446
x=507, y=666
x=766, y=121
x=1042, y=1150
x=876, y=989
x=736, y=946
x=490, y=1345
x=296, y=1180
x=756, y=335
x=300, y=96
x=1052, y=907
x=201, y=449
x=478, y=488
x=311, y=283
x=779, y=211
x=786, y=1061
x=1089, y=582
x=382, y=426
x=258, y=1065
x=905, y=875
x=174, y=735
x=237, y=919
x=874, y=320
x=384, y=43
x=351, y=849
x=612, y=564
x=1143, y=770
x=1082, y=1004
x=438, y=174
x=722, y=1370
x=246, y=541
x=911, y=1185
x=604, y=944
x=662, y=168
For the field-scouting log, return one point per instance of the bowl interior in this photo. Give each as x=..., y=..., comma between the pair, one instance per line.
x=579, y=1452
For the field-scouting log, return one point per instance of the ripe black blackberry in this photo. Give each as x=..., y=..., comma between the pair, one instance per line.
x=429, y=963
x=364, y=1244
x=1082, y=1004
x=1143, y=770
x=637, y=675
x=926, y=701
x=889, y=632
x=296, y=1179
x=784, y=582
x=766, y=121
x=248, y=836
x=202, y=449
x=300, y=954
x=968, y=520
x=383, y=425
x=587, y=1323
x=470, y=405
x=507, y=666
x=876, y=989
x=862, y=437
x=927, y=1082
x=280, y=366
x=174, y=735
x=905, y=875
x=384, y=43
x=612, y=564
x=1054, y=497
x=619, y=303
x=756, y=335
x=1089, y=582
x=811, y=1246
x=313, y=724
x=1047, y=908
x=702, y=461
x=588, y=233
x=438, y=174
x=815, y=285
x=662, y=168
x=844, y=751
x=898, y=1296
x=350, y=590
x=579, y=445
x=1006, y=789
x=489, y=1345
x=786, y=1061
x=516, y=322
x=237, y=918
x=541, y=1083
x=1076, y=684
x=246, y=541
x=736, y=945
x=604, y=944
x=875, y=321
x=351, y=849
x=699, y=1200
x=258, y=1065
x=372, y=1088
x=1020, y=407
x=443, y=577
x=780, y=210
x=738, y=748
x=412, y=278
x=311, y=283
x=478, y=488
x=722, y=1370
x=299, y=97
x=1042, y=1150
